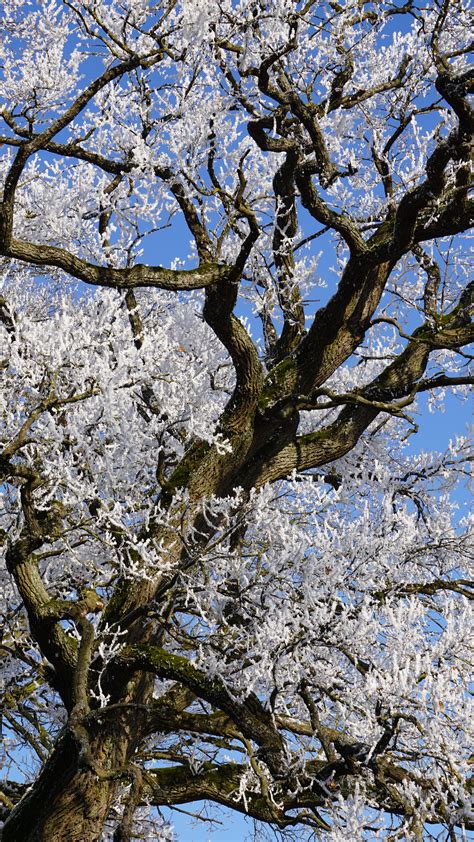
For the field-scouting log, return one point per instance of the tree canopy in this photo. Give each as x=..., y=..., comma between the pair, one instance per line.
x=233, y=257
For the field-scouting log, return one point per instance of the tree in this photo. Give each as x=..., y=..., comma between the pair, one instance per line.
x=226, y=577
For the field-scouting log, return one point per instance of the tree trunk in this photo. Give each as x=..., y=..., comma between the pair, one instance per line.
x=68, y=802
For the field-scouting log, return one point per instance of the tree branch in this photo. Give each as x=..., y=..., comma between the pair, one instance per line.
x=106, y=276
x=250, y=717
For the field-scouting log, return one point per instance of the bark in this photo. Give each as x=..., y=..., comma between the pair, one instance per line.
x=69, y=800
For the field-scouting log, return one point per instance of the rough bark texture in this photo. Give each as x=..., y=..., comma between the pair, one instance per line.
x=67, y=802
